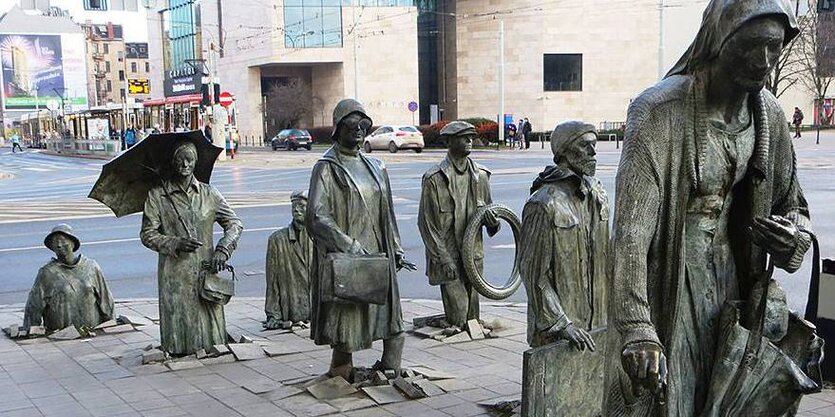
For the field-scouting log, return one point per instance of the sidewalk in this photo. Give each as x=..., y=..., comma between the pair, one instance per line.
x=103, y=376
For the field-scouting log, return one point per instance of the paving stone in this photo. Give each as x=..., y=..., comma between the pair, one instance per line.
x=431, y=374
x=218, y=360
x=384, y=394
x=246, y=351
x=245, y=339
x=260, y=387
x=36, y=331
x=201, y=354
x=69, y=333
x=407, y=388
x=13, y=331
x=154, y=355
x=475, y=329
x=135, y=320
x=122, y=328
x=280, y=392
x=451, y=385
x=332, y=388
x=428, y=387
x=353, y=402
x=458, y=338
x=184, y=364
x=422, y=321
x=218, y=350
x=109, y=323
x=428, y=331
x=279, y=349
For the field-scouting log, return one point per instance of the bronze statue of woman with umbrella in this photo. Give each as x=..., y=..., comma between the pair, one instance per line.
x=166, y=177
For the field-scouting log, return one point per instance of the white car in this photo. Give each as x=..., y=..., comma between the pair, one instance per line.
x=394, y=138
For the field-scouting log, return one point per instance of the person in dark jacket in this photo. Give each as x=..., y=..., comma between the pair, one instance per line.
x=526, y=131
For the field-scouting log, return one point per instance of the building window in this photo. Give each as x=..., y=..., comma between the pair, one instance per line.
x=106, y=48
x=563, y=72
x=95, y=4
x=147, y=66
x=180, y=26
x=313, y=23
x=133, y=67
x=106, y=66
x=122, y=93
x=109, y=86
x=121, y=75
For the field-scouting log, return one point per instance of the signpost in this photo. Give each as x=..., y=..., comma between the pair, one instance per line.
x=413, y=107
x=226, y=99
x=139, y=86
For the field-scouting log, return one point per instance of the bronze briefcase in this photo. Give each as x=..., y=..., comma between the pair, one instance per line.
x=363, y=279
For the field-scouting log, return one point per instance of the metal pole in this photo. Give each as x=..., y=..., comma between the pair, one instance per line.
x=501, y=82
x=356, y=53
x=661, y=6
x=125, y=96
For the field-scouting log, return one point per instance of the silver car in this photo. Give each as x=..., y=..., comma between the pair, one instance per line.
x=394, y=138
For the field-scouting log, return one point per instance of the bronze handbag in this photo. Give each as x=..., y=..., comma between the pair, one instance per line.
x=363, y=279
x=215, y=288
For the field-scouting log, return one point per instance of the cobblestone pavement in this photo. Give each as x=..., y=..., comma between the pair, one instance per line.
x=103, y=376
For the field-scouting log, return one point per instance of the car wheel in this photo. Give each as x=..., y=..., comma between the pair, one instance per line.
x=367, y=147
x=392, y=147
x=275, y=147
x=418, y=150
x=308, y=147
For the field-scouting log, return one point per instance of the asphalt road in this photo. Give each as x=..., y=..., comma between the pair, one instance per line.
x=46, y=190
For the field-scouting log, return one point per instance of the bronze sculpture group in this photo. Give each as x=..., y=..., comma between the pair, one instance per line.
x=707, y=204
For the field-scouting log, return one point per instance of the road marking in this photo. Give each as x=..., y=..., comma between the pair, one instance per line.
x=130, y=239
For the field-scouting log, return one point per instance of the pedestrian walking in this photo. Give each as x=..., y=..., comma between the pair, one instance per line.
x=797, y=120
x=520, y=134
x=130, y=137
x=526, y=131
x=16, y=142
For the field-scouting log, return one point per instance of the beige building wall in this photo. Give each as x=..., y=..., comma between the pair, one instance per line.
x=626, y=47
x=617, y=40
x=387, y=61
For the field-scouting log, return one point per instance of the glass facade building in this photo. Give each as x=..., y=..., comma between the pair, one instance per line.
x=182, y=24
x=318, y=23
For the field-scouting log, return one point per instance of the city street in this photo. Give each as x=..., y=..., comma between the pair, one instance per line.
x=45, y=190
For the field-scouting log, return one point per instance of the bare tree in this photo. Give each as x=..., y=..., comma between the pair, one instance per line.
x=816, y=46
x=286, y=105
x=786, y=72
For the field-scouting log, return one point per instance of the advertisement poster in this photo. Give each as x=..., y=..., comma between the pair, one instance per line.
x=98, y=129
x=39, y=68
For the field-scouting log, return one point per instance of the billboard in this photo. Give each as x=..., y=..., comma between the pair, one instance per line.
x=136, y=50
x=40, y=68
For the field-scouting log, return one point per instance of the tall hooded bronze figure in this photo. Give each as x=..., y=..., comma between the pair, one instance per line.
x=706, y=188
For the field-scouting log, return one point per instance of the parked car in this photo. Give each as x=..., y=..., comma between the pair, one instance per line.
x=394, y=138
x=292, y=139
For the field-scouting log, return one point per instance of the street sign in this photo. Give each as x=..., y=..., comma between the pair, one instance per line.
x=413, y=106
x=226, y=99
x=139, y=86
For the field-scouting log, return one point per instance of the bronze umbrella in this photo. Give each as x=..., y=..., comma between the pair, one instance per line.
x=125, y=181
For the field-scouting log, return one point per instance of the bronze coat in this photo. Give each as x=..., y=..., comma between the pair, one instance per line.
x=336, y=215
x=658, y=168
x=436, y=217
x=65, y=295
x=289, y=258
x=187, y=323
x=563, y=254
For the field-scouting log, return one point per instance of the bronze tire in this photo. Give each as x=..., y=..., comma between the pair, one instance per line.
x=478, y=282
